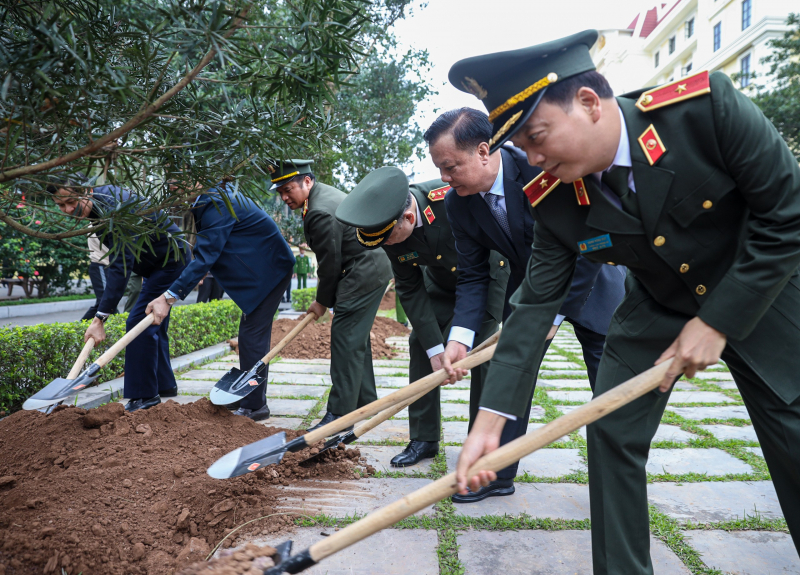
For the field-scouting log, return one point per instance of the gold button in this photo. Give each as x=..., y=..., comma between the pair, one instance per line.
x=415, y=264
x=452, y=269
x=684, y=268
x=502, y=263
x=438, y=257
x=707, y=204
x=660, y=241
x=611, y=263
x=344, y=271
x=701, y=289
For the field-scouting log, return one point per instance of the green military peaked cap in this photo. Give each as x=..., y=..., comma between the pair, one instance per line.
x=511, y=84
x=375, y=205
x=285, y=169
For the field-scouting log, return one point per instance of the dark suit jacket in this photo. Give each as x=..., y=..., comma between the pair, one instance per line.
x=245, y=252
x=160, y=254
x=596, y=289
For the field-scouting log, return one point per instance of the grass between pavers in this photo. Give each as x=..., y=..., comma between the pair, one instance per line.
x=311, y=415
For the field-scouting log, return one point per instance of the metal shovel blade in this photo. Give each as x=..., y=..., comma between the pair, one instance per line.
x=249, y=458
x=60, y=389
x=235, y=385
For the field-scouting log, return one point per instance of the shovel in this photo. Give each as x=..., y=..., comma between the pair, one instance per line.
x=271, y=450
x=237, y=384
x=370, y=424
x=446, y=486
x=60, y=389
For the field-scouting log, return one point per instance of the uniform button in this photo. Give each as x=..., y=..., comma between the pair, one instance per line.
x=502, y=263
x=701, y=289
x=438, y=257
x=660, y=241
x=707, y=204
x=684, y=268
x=415, y=264
x=453, y=269
x=611, y=263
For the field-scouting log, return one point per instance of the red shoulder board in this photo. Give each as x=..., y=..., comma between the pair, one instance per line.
x=651, y=144
x=538, y=188
x=580, y=192
x=683, y=89
x=438, y=193
x=429, y=215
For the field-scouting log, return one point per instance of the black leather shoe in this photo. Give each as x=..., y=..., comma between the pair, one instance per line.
x=494, y=489
x=234, y=406
x=172, y=392
x=254, y=414
x=137, y=404
x=415, y=452
x=326, y=420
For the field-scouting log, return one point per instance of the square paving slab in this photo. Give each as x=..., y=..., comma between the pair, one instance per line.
x=387, y=381
x=578, y=383
x=299, y=407
x=448, y=394
x=722, y=412
x=379, y=457
x=456, y=431
x=756, y=450
x=542, y=463
x=539, y=552
x=547, y=364
x=551, y=500
x=455, y=410
x=664, y=433
x=275, y=390
x=283, y=422
x=746, y=552
x=692, y=460
x=715, y=500
x=198, y=387
x=723, y=432
x=562, y=372
x=391, y=430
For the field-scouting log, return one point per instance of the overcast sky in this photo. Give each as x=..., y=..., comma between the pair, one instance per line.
x=456, y=29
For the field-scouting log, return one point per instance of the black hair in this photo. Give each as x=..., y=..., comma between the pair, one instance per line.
x=563, y=93
x=299, y=178
x=63, y=180
x=470, y=128
x=407, y=205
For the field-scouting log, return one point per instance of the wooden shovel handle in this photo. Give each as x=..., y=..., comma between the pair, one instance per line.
x=371, y=424
x=112, y=352
x=496, y=460
x=87, y=349
x=419, y=387
x=273, y=353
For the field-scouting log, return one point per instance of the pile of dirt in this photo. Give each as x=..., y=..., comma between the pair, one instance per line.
x=388, y=301
x=315, y=339
x=249, y=560
x=109, y=492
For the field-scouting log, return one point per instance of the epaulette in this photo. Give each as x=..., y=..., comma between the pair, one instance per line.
x=438, y=193
x=540, y=186
x=678, y=91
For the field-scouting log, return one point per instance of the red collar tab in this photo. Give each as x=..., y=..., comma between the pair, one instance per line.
x=429, y=215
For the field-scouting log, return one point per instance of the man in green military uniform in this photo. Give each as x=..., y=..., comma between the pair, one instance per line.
x=349, y=280
x=410, y=224
x=302, y=268
x=693, y=189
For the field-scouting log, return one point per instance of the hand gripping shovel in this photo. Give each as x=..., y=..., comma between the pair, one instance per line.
x=370, y=424
x=237, y=384
x=446, y=486
x=271, y=450
x=60, y=389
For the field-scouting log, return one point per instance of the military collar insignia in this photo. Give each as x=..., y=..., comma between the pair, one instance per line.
x=678, y=91
x=651, y=144
x=580, y=192
x=406, y=257
x=438, y=194
x=540, y=186
x=305, y=209
x=429, y=215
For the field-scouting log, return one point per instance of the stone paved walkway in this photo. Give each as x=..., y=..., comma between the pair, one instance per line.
x=713, y=507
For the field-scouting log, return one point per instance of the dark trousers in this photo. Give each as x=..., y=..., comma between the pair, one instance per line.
x=210, y=290
x=147, y=367
x=619, y=443
x=97, y=274
x=288, y=296
x=352, y=378
x=255, y=335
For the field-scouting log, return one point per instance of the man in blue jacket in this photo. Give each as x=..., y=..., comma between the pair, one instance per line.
x=252, y=262
x=148, y=372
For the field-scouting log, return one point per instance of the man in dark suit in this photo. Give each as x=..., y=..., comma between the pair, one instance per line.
x=488, y=210
x=247, y=255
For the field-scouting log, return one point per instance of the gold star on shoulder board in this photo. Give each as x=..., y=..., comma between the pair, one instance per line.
x=681, y=88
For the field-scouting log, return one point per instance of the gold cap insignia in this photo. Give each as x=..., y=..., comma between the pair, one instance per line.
x=472, y=86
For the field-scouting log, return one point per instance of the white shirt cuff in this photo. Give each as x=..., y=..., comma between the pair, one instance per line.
x=462, y=335
x=435, y=350
x=506, y=415
x=559, y=319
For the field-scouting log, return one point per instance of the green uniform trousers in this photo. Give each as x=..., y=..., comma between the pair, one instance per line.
x=302, y=281
x=619, y=443
x=352, y=378
x=424, y=415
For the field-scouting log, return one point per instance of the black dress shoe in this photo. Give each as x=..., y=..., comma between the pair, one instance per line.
x=234, y=406
x=254, y=414
x=415, y=452
x=326, y=420
x=171, y=392
x=137, y=404
x=494, y=489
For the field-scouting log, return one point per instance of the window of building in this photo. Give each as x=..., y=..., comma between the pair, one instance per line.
x=687, y=69
x=744, y=71
x=747, y=13
x=655, y=59
x=717, y=36
x=690, y=28
x=672, y=45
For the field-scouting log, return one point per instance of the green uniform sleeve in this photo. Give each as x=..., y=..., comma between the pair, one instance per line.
x=768, y=177
x=410, y=287
x=325, y=233
x=535, y=304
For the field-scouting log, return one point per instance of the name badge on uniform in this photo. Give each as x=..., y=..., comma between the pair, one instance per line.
x=406, y=257
x=594, y=244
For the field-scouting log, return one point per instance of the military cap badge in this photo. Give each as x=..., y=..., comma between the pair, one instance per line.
x=471, y=86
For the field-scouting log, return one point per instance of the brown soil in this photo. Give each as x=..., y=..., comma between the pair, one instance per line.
x=249, y=560
x=314, y=341
x=388, y=301
x=109, y=492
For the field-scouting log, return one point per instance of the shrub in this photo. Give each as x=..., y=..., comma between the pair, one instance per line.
x=33, y=356
x=302, y=298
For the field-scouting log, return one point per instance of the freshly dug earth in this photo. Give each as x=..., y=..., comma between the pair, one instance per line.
x=315, y=339
x=249, y=560
x=388, y=301
x=114, y=493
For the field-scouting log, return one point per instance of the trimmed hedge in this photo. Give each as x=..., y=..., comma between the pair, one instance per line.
x=302, y=298
x=33, y=356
